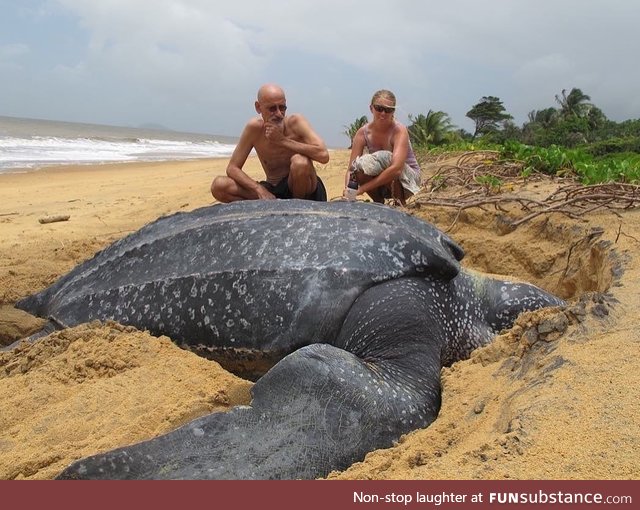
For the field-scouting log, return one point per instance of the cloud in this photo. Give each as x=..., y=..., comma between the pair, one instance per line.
x=10, y=56
x=11, y=51
x=237, y=40
x=163, y=39
x=196, y=64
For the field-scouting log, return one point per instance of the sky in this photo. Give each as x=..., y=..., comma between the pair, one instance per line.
x=196, y=65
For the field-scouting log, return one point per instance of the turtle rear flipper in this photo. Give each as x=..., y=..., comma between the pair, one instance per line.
x=319, y=409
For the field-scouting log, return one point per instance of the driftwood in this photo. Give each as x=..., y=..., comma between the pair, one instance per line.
x=54, y=219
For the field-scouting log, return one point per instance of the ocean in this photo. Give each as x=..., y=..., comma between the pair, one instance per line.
x=31, y=143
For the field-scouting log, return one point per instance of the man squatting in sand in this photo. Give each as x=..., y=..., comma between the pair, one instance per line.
x=286, y=147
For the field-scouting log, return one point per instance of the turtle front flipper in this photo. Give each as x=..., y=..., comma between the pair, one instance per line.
x=319, y=409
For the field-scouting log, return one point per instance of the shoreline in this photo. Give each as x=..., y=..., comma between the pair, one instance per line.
x=172, y=161
x=81, y=164
x=35, y=143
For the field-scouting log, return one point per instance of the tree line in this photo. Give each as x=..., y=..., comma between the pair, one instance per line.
x=573, y=122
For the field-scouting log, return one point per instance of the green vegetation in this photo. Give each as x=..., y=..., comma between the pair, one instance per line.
x=434, y=128
x=555, y=160
x=489, y=114
x=572, y=138
x=490, y=182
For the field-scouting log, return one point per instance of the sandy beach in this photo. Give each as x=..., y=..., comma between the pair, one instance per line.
x=556, y=397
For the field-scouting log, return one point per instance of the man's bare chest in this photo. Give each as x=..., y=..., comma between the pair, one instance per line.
x=274, y=157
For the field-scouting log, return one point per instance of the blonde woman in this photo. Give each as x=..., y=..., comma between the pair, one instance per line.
x=382, y=158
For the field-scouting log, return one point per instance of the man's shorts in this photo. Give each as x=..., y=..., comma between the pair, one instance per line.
x=281, y=190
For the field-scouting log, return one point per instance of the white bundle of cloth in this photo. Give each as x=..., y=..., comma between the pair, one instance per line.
x=373, y=164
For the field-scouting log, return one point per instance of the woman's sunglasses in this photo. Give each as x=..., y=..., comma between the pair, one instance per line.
x=386, y=109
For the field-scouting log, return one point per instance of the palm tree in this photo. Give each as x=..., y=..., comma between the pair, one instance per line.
x=596, y=118
x=574, y=104
x=430, y=129
x=351, y=130
x=545, y=118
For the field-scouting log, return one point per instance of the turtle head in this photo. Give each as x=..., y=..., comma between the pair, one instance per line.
x=505, y=300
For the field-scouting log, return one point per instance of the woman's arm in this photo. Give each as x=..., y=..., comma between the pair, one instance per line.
x=400, y=141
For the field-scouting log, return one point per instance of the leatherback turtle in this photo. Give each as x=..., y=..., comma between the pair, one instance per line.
x=361, y=303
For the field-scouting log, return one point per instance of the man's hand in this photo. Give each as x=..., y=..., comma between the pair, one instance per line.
x=274, y=132
x=264, y=194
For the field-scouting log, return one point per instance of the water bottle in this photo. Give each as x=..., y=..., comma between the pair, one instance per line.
x=351, y=191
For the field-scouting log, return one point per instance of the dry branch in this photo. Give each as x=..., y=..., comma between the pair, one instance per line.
x=465, y=190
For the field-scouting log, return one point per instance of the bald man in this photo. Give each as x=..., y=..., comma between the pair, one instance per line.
x=287, y=146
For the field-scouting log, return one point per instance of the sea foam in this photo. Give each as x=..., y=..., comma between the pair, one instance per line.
x=25, y=144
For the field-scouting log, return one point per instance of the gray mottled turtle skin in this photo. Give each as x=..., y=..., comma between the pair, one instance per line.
x=361, y=304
